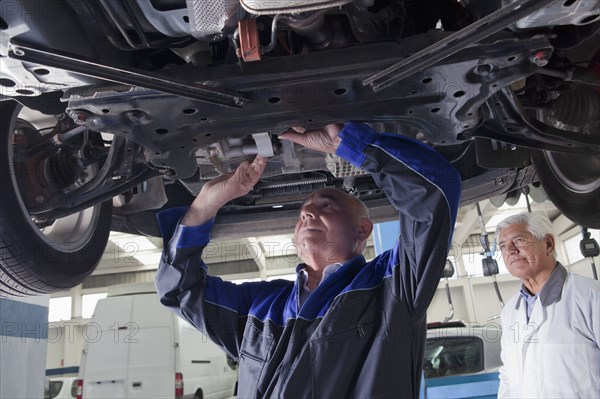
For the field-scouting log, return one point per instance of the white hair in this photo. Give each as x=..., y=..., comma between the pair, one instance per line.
x=537, y=224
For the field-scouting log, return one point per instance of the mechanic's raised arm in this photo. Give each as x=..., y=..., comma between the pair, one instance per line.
x=214, y=306
x=422, y=185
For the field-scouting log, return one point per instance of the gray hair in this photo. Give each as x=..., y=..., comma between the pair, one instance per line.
x=537, y=224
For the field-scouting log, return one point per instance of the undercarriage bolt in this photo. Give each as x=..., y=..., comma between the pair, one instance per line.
x=18, y=52
x=213, y=152
x=484, y=69
x=135, y=116
x=79, y=117
x=39, y=199
x=541, y=58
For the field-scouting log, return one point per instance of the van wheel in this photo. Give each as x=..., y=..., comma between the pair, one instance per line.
x=41, y=256
x=199, y=394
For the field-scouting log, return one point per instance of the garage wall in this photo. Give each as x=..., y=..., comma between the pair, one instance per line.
x=65, y=343
x=474, y=299
x=23, y=332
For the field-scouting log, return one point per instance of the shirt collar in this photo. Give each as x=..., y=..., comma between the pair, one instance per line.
x=525, y=292
x=551, y=292
x=303, y=274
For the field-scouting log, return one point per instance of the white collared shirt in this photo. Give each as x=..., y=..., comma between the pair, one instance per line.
x=305, y=291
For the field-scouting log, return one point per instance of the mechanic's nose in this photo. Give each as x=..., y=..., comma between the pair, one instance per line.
x=307, y=211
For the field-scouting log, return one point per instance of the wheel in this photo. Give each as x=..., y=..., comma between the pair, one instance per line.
x=199, y=394
x=40, y=257
x=572, y=182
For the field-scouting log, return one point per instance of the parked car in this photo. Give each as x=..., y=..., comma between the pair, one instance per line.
x=61, y=388
x=113, y=110
x=461, y=360
x=136, y=348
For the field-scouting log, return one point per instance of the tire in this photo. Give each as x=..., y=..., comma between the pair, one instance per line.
x=199, y=394
x=35, y=261
x=572, y=183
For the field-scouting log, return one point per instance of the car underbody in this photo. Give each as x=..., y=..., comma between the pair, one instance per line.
x=139, y=103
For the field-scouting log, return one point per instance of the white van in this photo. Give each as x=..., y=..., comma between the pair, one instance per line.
x=61, y=388
x=136, y=348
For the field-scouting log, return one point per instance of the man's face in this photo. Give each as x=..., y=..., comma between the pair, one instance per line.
x=524, y=255
x=328, y=227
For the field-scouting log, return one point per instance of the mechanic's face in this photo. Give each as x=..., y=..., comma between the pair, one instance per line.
x=331, y=228
x=525, y=256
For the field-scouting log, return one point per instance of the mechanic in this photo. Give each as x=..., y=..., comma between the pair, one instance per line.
x=551, y=328
x=346, y=328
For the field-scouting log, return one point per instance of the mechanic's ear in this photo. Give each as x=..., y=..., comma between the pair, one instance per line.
x=365, y=228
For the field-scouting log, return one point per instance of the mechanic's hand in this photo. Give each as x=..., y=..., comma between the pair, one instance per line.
x=223, y=189
x=325, y=139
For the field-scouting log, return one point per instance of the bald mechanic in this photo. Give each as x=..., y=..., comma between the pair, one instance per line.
x=346, y=328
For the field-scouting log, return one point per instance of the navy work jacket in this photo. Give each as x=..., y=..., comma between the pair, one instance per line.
x=361, y=333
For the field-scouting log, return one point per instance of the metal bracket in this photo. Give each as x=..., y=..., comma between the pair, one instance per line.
x=129, y=76
x=473, y=33
x=249, y=42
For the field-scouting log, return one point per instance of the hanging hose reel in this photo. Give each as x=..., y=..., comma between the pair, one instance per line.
x=489, y=264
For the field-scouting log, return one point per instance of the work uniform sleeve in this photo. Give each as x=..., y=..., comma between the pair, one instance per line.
x=425, y=188
x=216, y=307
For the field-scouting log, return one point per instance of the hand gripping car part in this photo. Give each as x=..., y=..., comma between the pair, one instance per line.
x=266, y=7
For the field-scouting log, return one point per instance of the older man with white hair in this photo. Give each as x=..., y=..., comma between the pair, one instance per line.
x=551, y=328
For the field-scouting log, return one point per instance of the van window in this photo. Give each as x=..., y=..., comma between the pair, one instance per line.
x=52, y=389
x=447, y=356
x=74, y=389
